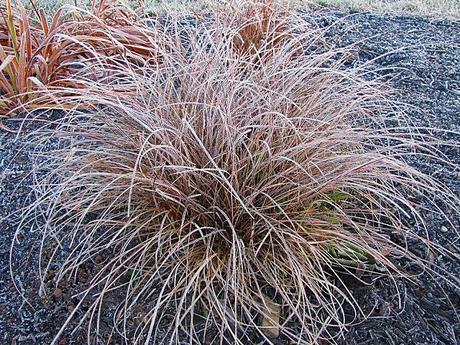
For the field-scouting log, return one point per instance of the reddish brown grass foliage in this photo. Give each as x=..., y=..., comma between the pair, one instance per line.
x=116, y=30
x=212, y=187
x=32, y=56
x=42, y=56
x=259, y=26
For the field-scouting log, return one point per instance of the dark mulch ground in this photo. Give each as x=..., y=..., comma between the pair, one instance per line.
x=422, y=59
x=423, y=62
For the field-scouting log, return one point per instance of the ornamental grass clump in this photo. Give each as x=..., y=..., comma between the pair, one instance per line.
x=224, y=200
x=259, y=26
x=42, y=60
x=112, y=30
x=33, y=57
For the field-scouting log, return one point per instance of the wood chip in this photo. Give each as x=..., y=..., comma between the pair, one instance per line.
x=57, y=293
x=271, y=321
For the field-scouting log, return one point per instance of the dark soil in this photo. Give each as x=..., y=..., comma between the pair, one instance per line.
x=421, y=58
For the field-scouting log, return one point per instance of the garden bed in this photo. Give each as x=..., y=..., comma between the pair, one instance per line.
x=421, y=58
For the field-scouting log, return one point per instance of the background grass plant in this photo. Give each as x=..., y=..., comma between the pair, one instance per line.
x=41, y=57
x=32, y=56
x=218, y=186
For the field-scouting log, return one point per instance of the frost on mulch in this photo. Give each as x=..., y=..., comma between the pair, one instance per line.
x=421, y=58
